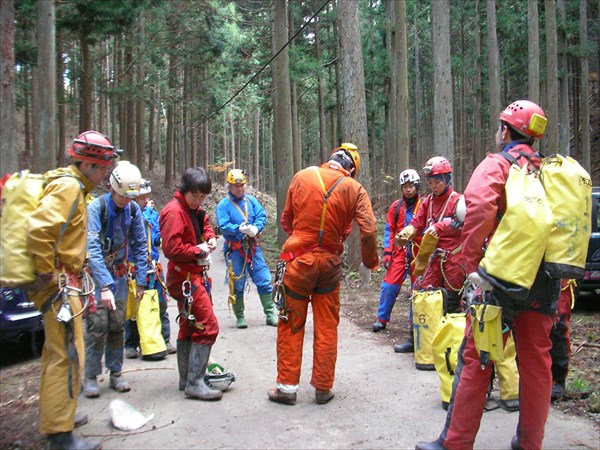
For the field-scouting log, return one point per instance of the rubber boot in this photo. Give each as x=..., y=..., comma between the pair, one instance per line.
x=238, y=310
x=67, y=441
x=183, y=358
x=90, y=388
x=408, y=346
x=269, y=309
x=196, y=387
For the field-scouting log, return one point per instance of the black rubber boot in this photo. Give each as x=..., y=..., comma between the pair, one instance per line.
x=183, y=358
x=67, y=441
x=514, y=443
x=196, y=387
x=434, y=445
x=408, y=346
x=378, y=326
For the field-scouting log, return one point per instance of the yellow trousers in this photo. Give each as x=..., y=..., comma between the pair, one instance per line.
x=57, y=408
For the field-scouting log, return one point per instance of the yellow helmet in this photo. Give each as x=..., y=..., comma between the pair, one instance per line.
x=236, y=176
x=348, y=152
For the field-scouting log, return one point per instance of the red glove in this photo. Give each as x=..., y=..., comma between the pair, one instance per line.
x=387, y=261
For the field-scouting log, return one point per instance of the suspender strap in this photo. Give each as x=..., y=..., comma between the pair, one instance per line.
x=326, y=195
x=243, y=213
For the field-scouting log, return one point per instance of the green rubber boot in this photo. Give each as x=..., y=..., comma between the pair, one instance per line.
x=238, y=310
x=269, y=309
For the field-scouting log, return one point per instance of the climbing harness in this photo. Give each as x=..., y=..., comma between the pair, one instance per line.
x=279, y=292
x=186, y=311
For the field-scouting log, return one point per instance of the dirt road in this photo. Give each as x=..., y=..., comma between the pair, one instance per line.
x=381, y=400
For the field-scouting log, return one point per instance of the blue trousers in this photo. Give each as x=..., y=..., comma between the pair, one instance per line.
x=257, y=269
x=104, y=333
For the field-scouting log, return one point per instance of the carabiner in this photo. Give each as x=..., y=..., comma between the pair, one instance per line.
x=186, y=288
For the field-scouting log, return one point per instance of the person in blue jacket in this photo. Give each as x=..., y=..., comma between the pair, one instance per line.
x=115, y=228
x=150, y=216
x=241, y=218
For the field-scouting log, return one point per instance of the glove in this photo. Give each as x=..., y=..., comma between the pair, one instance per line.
x=212, y=244
x=108, y=299
x=476, y=279
x=365, y=274
x=405, y=235
x=244, y=228
x=387, y=261
x=252, y=230
x=204, y=249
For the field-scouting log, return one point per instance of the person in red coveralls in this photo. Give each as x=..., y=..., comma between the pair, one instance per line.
x=520, y=124
x=396, y=260
x=321, y=204
x=436, y=221
x=187, y=241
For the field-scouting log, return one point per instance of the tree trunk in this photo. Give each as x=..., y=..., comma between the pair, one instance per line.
x=478, y=145
x=403, y=97
x=320, y=96
x=297, y=151
x=585, y=89
x=141, y=106
x=8, y=105
x=354, y=105
x=60, y=99
x=533, y=32
x=86, y=97
x=443, y=123
x=418, y=96
x=494, y=67
x=45, y=154
x=551, y=134
x=392, y=147
x=282, y=114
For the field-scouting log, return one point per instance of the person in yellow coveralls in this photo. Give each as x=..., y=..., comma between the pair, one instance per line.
x=57, y=240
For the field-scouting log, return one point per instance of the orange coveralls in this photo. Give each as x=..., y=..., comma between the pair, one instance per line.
x=313, y=271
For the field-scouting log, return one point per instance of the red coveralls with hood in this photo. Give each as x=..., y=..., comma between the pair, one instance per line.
x=313, y=272
x=180, y=247
x=486, y=201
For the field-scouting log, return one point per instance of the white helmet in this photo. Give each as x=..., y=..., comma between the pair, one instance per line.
x=145, y=187
x=220, y=381
x=125, y=179
x=461, y=209
x=409, y=176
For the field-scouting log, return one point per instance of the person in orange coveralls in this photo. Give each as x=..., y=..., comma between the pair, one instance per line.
x=187, y=241
x=320, y=206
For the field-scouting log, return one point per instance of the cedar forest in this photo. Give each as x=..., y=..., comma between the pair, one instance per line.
x=273, y=86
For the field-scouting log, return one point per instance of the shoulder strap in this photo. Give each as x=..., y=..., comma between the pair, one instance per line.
x=397, y=211
x=326, y=195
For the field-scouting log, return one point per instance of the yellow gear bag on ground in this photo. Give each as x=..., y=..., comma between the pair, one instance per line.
x=152, y=343
x=517, y=248
x=428, y=308
x=487, y=331
x=445, y=346
x=507, y=372
x=568, y=189
x=132, y=305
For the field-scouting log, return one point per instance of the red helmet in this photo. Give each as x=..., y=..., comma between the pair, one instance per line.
x=93, y=147
x=437, y=166
x=526, y=117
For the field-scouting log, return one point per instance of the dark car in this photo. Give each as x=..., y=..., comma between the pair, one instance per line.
x=591, y=277
x=20, y=321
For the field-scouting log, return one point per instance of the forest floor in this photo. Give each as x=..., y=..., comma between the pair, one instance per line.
x=19, y=370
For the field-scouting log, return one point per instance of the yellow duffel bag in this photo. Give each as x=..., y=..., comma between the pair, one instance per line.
x=445, y=345
x=428, y=308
